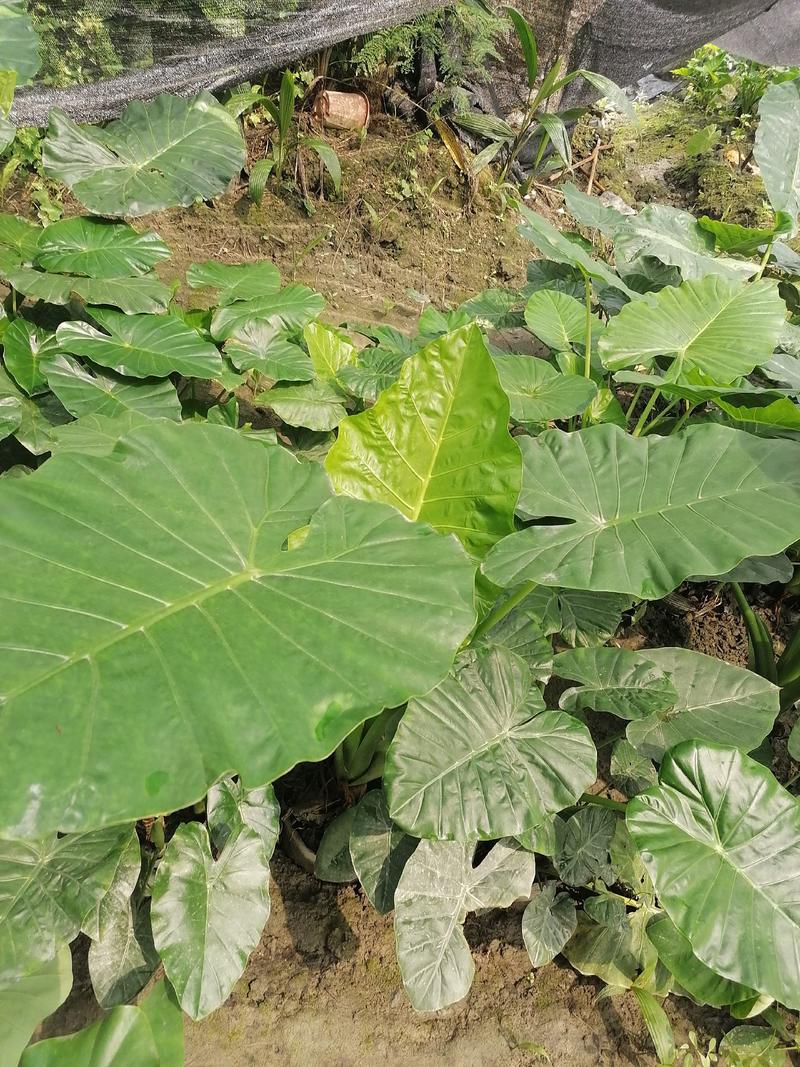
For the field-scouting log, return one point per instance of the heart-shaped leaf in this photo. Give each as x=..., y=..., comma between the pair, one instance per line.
x=640, y=515
x=317, y=405
x=123, y=959
x=437, y=889
x=538, y=393
x=333, y=862
x=141, y=346
x=630, y=770
x=164, y=153
x=265, y=347
x=716, y=702
x=478, y=757
x=208, y=914
x=330, y=350
x=48, y=888
x=744, y=240
x=143, y=295
x=583, y=844
x=25, y=346
x=184, y=569
x=294, y=306
x=379, y=850
x=96, y=393
x=230, y=807
x=615, y=681
x=548, y=923
x=724, y=329
x=98, y=248
x=557, y=319
x=235, y=281
x=33, y=418
x=605, y=942
x=19, y=43
x=10, y=415
x=436, y=444
x=721, y=841
x=521, y=632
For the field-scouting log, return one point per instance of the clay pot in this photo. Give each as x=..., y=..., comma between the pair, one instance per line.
x=342, y=111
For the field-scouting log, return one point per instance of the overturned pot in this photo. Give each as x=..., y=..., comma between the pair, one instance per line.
x=342, y=111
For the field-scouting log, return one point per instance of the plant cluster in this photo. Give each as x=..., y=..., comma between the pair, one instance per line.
x=388, y=575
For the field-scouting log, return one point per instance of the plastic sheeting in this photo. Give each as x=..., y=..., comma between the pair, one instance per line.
x=180, y=46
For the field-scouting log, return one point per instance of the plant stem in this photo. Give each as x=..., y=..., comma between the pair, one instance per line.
x=764, y=262
x=499, y=612
x=760, y=643
x=644, y=415
x=603, y=802
x=684, y=417
x=633, y=403
x=157, y=834
x=587, y=366
x=661, y=416
x=789, y=662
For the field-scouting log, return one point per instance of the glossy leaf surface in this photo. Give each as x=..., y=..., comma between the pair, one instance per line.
x=538, y=393
x=379, y=850
x=616, y=681
x=97, y=248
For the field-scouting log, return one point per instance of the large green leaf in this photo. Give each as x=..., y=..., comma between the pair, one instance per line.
x=96, y=435
x=605, y=943
x=127, y=869
x=296, y=305
x=616, y=681
x=20, y=237
x=548, y=923
x=84, y=392
x=164, y=153
x=716, y=702
x=330, y=350
x=19, y=44
x=265, y=347
x=744, y=240
x=777, y=147
x=28, y=997
x=583, y=843
x=674, y=237
x=583, y=618
x=317, y=405
x=379, y=850
x=478, y=757
x=376, y=370
x=98, y=248
x=25, y=345
x=141, y=346
x=207, y=914
x=235, y=281
x=538, y=393
x=437, y=889
x=700, y=982
x=142, y=295
x=640, y=515
x=722, y=328
x=721, y=840
x=436, y=444
x=591, y=211
x=521, y=631
x=47, y=889
x=149, y=1034
x=36, y=417
x=557, y=319
x=166, y=559
x=554, y=245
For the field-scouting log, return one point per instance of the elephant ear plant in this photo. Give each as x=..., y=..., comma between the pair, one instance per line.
x=386, y=572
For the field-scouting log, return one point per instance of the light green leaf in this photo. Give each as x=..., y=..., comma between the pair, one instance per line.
x=264, y=346
x=330, y=350
x=379, y=850
x=527, y=40
x=8, y=131
x=556, y=130
x=658, y=1024
x=29, y=996
x=126, y=874
x=615, y=681
x=777, y=147
x=700, y=982
x=548, y=923
x=592, y=212
x=328, y=158
x=231, y=807
x=436, y=444
x=19, y=43
x=522, y=632
x=149, y=1034
x=744, y=240
x=721, y=328
x=96, y=435
x=582, y=618
x=437, y=889
x=783, y=414
x=185, y=570
x=317, y=405
x=123, y=959
x=208, y=915
x=640, y=515
x=753, y=1046
x=143, y=295
x=610, y=90
x=478, y=757
x=583, y=844
x=168, y=152
x=557, y=319
x=333, y=862
x=555, y=246
x=630, y=771
x=698, y=388
x=674, y=237
x=19, y=236
x=98, y=248
x=716, y=702
x=48, y=888
x=537, y=392
x=235, y=281
x=97, y=393
x=721, y=840
x=10, y=415
x=141, y=346
x=25, y=345
x=294, y=306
